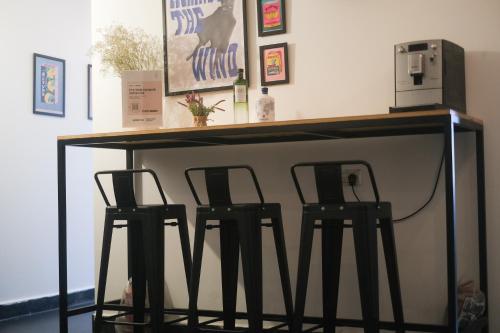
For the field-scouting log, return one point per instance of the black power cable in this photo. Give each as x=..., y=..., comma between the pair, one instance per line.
x=438, y=176
x=352, y=182
x=354, y=192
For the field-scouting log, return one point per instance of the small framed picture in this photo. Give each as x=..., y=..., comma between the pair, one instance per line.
x=90, y=115
x=49, y=94
x=271, y=17
x=274, y=64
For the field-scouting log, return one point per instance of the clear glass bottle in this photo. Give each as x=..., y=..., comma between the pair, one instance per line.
x=240, y=96
x=264, y=107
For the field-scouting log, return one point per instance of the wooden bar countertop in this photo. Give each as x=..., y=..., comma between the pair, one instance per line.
x=375, y=125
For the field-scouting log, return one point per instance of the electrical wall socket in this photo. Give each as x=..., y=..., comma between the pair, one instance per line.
x=347, y=172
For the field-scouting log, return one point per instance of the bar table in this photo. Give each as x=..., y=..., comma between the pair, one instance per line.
x=444, y=121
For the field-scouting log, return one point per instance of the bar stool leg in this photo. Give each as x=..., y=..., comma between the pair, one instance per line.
x=250, y=235
x=154, y=248
x=186, y=249
x=279, y=241
x=332, y=232
x=229, y=257
x=388, y=240
x=138, y=272
x=194, y=284
x=306, y=239
x=365, y=243
x=103, y=270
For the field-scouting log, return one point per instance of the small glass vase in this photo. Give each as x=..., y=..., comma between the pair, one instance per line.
x=200, y=121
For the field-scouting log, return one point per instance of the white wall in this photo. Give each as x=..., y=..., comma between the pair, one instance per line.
x=28, y=191
x=341, y=60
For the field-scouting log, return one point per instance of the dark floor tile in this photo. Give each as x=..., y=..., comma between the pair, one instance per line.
x=47, y=322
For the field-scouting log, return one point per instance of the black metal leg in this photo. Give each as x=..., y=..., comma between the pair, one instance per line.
x=481, y=218
x=138, y=270
x=63, y=259
x=306, y=239
x=449, y=139
x=186, y=249
x=129, y=164
x=159, y=249
x=229, y=257
x=332, y=232
x=194, y=283
x=364, y=228
x=389, y=243
x=250, y=235
x=279, y=242
x=154, y=249
x=103, y=270
x=136, y=265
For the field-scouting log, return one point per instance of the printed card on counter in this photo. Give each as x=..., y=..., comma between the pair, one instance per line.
x=142, y=93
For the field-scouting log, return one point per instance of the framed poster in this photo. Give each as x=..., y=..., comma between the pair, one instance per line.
x=271, y=17
x=274, y=64
x=205, y=44
x=90, y=114
x=49, y=95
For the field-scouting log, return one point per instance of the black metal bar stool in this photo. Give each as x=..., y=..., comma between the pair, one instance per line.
x=146, y=246
x=240, y=228
x=332, y=211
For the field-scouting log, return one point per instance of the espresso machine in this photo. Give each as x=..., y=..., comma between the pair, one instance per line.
x=429, y=75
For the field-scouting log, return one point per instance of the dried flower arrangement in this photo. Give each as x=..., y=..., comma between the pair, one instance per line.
x=123, y=49
x=200, y=112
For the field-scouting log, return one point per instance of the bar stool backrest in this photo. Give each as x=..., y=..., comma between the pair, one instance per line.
x=217, y=181
x=329, y=184
x=328, y=176
x=217, y=184
x=123, y=186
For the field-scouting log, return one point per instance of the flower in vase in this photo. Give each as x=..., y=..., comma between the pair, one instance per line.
x=194, y=103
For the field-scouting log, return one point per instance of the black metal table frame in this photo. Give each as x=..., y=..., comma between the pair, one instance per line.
x=445, y=122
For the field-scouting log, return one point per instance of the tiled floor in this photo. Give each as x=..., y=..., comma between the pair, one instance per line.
x=47, y=322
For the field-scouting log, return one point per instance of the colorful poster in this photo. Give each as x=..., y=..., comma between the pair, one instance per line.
x=271, y=17
x=274, y=61
x=274, y=64
x=48, y=74
x=205, y=44
x=48, y=86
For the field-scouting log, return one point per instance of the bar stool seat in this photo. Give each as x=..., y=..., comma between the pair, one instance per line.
x=146, y=224
x=332, y=211
x=240, y=228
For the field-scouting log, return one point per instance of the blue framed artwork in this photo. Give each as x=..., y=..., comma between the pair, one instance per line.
x=49, y=94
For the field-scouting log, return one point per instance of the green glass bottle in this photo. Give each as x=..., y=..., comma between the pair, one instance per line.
x=240, y=97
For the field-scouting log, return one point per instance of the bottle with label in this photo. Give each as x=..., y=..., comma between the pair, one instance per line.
x=265, y=107
x=240, y=94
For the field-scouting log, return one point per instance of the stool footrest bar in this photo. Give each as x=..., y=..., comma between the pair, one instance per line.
x=211, y=321
x=117, y=323
x=313, y=328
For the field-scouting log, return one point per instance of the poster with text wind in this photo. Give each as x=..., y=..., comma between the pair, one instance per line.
x=205, y=44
